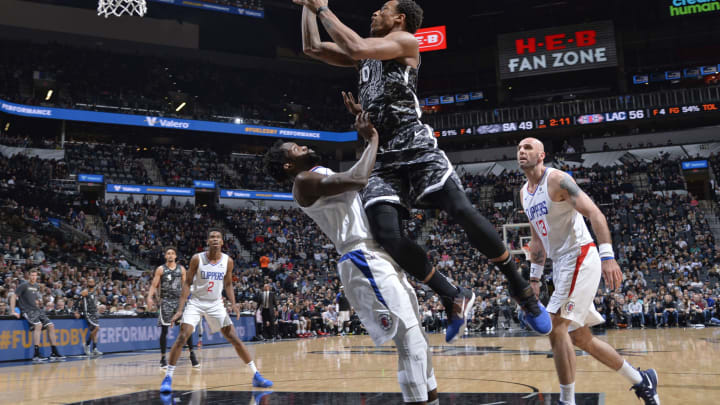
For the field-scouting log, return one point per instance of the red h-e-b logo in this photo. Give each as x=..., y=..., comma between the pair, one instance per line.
x=431, y=39
x=556, y=42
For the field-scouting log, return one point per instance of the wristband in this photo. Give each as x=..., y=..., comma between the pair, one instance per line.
x=606, y=250
x=536, y=270
x=603, y=259
x=321, y=9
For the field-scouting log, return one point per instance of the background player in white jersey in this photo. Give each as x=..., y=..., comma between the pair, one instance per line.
x=375, y=286
x=555, y=207
x=210, y=272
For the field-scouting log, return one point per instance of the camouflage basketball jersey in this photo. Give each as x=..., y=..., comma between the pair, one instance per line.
x=387, y=91
x=171, y=284
x=90, y=302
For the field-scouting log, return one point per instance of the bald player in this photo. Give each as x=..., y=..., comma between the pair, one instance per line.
x=555, y=207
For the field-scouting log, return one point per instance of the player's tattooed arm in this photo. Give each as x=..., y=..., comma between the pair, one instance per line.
x=572, y=189
x=583, y=204
x=537, y=251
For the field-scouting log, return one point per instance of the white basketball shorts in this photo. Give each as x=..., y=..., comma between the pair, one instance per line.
x=213, y=311
x=576, y=277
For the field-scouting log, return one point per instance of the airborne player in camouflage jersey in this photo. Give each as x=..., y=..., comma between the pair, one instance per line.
x=411, y=171
x=169, y=278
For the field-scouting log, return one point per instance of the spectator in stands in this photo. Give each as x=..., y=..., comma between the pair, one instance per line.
x=670, y=311
x=636, y=313
x=330, y=320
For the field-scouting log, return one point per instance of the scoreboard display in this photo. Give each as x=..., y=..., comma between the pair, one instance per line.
x=580, y=120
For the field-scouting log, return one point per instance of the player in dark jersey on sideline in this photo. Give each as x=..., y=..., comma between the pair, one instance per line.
x=87, y=308
x=169, y=278
x=411, y=170
x=26, y=296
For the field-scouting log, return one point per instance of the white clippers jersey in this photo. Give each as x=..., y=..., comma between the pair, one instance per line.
x=208, y=282
x=561, y=228
x=341, y=217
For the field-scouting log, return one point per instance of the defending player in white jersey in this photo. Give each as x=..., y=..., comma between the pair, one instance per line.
x=555, y=207
x=210, y=272
x=374, y=284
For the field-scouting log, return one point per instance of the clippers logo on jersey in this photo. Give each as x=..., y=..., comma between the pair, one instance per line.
x=569, y=307
x=212, y=275
x=537, y=210
x=385, y=321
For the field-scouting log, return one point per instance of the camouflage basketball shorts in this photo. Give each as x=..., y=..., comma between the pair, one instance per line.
x=92, y=319
x=168, y=308
x=37, y=317
x=406, y=176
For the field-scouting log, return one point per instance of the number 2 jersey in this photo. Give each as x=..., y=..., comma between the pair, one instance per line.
x=208, y=282
x=560, y=226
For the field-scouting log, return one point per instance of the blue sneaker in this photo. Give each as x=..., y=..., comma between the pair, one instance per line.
x=166, y=385
x=647, y=388
x=461, y=308
x=259, y=381
x=259, y=396
x=533, y=313
x=167, y=399
x=561, y=402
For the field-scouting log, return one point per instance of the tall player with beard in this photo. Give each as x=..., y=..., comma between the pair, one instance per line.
x=376, y=287
x=555, y=207
x=411, y=170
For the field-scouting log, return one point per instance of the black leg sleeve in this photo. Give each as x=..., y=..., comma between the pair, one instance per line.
x=385, y=225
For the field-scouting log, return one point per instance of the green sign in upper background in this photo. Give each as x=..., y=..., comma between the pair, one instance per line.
x=678, y=8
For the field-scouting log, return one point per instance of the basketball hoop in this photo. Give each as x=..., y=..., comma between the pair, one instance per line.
x=117, y=8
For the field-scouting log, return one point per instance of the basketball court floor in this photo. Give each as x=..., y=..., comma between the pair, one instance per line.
x=486, y=369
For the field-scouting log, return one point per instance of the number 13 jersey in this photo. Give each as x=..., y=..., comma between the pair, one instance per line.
x=561, y=227
x=208, y=282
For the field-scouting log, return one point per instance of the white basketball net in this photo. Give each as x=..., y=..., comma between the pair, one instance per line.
x=117, y=8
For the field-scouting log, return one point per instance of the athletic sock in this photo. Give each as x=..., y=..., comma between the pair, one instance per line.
x=435, y=402
x=516, y=283
x=567, y=393
x=170, y=371
x=37, y=351
x=252, y=367
x=630, y=373
x=442, y=286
